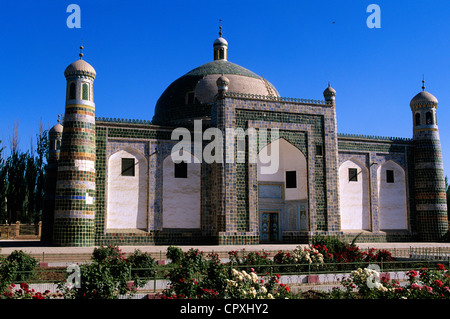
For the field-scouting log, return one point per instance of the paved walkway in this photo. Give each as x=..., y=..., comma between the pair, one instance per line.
x=35, y=247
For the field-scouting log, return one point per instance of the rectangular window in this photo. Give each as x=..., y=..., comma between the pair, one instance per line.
x=352, y=175
x=291, y=179
x=85, y=92
x=127, y=167
x=190, y=98
x=181, y=170
x=389, y=176
x=319, y=150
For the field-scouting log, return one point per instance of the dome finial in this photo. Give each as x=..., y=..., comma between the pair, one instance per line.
x=81, y=50
x=220, y=45
x=423, y=82
x=329, y=93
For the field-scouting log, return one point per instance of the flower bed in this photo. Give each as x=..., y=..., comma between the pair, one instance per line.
x=253, y=275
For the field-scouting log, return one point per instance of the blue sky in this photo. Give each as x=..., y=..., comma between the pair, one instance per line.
x=139, y=47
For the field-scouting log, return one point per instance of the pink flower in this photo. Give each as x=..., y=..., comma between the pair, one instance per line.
x=415, y=286
x=429, y=289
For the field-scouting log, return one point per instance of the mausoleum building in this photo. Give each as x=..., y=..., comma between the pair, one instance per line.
x=116, y=180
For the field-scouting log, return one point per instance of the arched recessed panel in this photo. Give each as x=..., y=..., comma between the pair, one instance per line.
x=292, y=168
x=181, y=194
x=392, y=196
x=354, y=196
x=127, y=191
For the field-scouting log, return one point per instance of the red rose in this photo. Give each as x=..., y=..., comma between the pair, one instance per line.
x=440, y=267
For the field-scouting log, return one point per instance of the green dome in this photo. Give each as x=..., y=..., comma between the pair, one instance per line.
x=191, y=96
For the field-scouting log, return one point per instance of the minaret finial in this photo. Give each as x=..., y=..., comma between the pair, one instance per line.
x=81, y=51
x=220, y=27
x=423, y=82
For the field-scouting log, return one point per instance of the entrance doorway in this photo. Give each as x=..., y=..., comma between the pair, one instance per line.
x=270, y=226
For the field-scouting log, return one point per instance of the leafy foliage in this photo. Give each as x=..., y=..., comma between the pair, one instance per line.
x=206, y=277
x=22, y=180
x=108, y=275
x=16, y=267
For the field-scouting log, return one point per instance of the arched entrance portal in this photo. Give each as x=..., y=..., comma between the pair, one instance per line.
x=282, y=195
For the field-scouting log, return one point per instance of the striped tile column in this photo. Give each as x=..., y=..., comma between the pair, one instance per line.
x=51, y=171
x=75, y=189
x=429, y=180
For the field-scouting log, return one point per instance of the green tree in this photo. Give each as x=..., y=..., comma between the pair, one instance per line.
x=22, y=179
x=40, y=163
x=16, y=186
x=28, y=213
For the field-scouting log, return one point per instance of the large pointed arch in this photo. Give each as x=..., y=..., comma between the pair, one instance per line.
x=354, y=195
x=127, y=190
x=392, y=196
x=290, y=159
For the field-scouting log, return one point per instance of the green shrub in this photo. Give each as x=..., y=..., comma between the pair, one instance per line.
x=142, y=264
x=26, y=265
x=175, y=254
x=106, y=277
x=8, y=272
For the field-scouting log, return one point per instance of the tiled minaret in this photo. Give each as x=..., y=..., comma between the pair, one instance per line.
x=430, y=197
x=51, y=171
x=75, y=191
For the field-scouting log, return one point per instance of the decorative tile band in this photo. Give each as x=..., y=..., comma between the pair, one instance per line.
x=61, y=214
x=76, y=184
x=80, y=116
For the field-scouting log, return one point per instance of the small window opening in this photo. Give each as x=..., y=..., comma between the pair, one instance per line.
x=319, y=150
x=389, y=176
x=181, y=170
x=291, y=179
x=190, y=98
x=127, y=167
x=72, y=91
x=352, y=175
x=85, y=91
x=429, y=118
x=417, y=118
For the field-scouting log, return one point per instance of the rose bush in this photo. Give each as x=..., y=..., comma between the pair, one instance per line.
x=423, y=284
x=206, y=277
